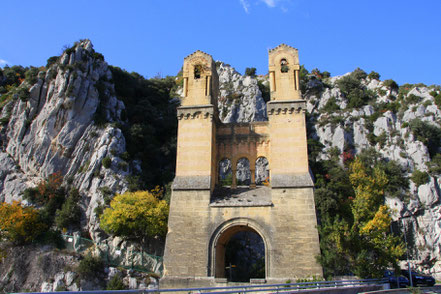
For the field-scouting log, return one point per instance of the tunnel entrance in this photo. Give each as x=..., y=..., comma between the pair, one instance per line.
x=240, y=255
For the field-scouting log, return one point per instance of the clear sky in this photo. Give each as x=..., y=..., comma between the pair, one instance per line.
x=400, y=39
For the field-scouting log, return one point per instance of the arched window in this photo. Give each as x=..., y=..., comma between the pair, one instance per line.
x=262, y=171
x=243, y=173
x=225, y=173
x=197, y=71
x=284, y=65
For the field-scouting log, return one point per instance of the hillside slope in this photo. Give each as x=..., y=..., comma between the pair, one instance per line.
x=78, y=112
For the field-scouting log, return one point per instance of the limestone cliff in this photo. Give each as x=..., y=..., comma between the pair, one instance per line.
x=382, y=124
x=57, y=127
x=53, y=130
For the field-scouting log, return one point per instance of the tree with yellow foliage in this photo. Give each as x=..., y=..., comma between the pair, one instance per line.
x=354, y=223
x=19, y=224
x=136, y=215
x=375, y=248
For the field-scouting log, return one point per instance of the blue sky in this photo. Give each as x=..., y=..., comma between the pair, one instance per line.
x=400, y=39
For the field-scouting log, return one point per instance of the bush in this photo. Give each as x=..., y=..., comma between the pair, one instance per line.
x=419, y=177
x=116, y=283
x=52, y=237
x=331, y=105
x=49, y=194
x=136, y=215
x=31, y=75
x=374, y=75
x=250, y=71
x=435, y=165
x=359, y=74
x=429, y=134
x=18, y=224
x=69, y=216
x=107, y=162
x=51, y=60
x=91, y=267
x=413, y=99
x=438, y=100
x=356, y=94
x=391, y=84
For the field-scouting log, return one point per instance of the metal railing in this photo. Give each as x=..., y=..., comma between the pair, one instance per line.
x=268, y=288
x=127, y=258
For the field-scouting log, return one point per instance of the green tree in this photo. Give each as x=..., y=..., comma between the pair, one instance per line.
x=354, y=222
x=376, y=248
x=69, y=215
x=49, y=194
x=419, y=177
x=136, y=215
x=374, y=75
x=250, y=71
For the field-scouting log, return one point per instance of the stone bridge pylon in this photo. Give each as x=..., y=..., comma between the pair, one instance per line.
x=204, y=215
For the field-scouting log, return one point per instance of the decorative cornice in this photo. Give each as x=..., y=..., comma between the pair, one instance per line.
x=284, y=107
x=196, y=53
x=283, y=45
x=191, y=183
x=291, y=180
x=197, y=111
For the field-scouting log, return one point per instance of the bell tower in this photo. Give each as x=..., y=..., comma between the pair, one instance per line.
x=286, y=116
x=195, y=166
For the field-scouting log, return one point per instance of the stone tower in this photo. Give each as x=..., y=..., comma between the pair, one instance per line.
x=204, y=216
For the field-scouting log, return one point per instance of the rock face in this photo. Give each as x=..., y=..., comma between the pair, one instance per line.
x=240, y=99
x=54, y=131
x=388, y=132
x=57, y=129
x=359, y=128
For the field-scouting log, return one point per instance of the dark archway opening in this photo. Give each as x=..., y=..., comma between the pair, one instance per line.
x=240, y=255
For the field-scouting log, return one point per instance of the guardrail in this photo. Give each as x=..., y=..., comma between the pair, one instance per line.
x=270, y=288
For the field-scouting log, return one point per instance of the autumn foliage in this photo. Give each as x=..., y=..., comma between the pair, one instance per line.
x=136, y=215
x=355, y=223
x=19, y=224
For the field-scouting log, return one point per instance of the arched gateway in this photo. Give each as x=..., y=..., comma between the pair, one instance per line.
x=241, y=189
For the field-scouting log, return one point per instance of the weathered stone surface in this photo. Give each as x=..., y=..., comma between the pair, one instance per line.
x=54, y=131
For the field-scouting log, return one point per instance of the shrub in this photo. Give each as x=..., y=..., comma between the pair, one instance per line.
x=356, y=94
x=116, y=283
x=250, y=71
x=374, y=75
x=413, y=99
x=419, y=177
x=359, y=74
x=438, y=100
x=391, y=84
x=136, y=215
x=331, y=105
x=435, y=165
x=429, y=134
x=31, y=75
x=18, y=224
x=107, y=162
x=49, y=194
x=23, y=93
x=52, y=237
x=51, y=60
x=91, y=267
x=69, y=216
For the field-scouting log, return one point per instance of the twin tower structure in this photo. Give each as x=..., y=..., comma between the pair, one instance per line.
x=204, y=216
